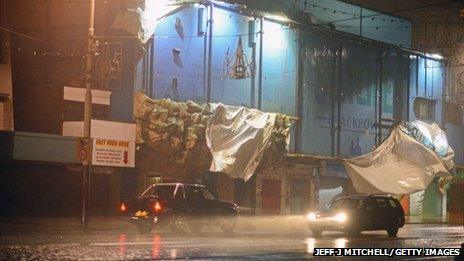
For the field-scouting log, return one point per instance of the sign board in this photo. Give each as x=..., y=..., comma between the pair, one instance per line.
x=101, y=129
x=78, y=94
x=113, y=143
x=83, y=149
x=113, y=152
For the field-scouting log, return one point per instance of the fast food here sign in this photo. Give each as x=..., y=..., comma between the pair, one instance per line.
x=111, y=152
x=113, y=143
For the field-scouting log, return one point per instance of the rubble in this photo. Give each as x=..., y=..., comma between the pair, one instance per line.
x=172, y=135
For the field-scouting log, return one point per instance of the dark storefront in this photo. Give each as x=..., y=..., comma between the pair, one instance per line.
x=41, y=176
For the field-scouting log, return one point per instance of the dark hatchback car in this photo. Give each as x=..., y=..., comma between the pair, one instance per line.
x=181, y=207
x=359, y=212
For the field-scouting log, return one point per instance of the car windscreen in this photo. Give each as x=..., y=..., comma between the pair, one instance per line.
x=160, y=191
x=346, y=203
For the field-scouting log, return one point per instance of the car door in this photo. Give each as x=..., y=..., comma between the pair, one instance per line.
x=211, y=202
x=178, y=202
x=396, y=213
x=370, y=214
x=199, y=201
x=383, y=213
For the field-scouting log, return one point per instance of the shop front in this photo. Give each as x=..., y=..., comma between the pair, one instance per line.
x=286, y=188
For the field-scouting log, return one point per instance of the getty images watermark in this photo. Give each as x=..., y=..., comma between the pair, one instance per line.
x=390, y=252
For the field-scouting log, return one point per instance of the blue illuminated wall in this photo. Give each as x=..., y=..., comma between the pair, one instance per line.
x=360, y=21
x=332, y=64
x=346, y=69
x=179, y=32
x=427, y=81
x=279, y=63
x=228, y=28
x=280, y=68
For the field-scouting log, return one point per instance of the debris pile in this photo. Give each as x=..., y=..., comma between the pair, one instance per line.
x=171, y=135
x=173, y=131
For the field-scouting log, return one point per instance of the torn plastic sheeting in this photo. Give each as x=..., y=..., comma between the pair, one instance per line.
x=237, y=138
x=400, y=165
x=174, y=133
x=432, y=137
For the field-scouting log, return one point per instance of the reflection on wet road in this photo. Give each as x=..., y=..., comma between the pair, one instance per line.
x=257, y=242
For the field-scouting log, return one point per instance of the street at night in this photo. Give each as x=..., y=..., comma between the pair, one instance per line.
x=231, y=129
x=252, y=240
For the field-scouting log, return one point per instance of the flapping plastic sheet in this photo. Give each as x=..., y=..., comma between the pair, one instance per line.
x=432, y=137
x=237, y=138
x=407, y=161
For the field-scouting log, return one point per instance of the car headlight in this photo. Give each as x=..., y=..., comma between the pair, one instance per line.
x=340, y=217
x=311, y=216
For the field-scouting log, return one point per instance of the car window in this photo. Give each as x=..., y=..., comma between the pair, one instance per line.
x=392, y=203
x=348, y=203
x=381, y=203
x=336, y=203
x=179, y=192
x=194, y=193
x=208, y=195
x=148, y=192
x=370, y=204
x=160, y=191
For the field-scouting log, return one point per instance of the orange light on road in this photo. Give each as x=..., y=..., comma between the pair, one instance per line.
x=123, y=207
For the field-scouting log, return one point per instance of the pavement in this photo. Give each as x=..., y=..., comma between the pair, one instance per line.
x=263, y=238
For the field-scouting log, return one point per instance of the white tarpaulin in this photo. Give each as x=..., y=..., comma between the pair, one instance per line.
x=237, y=138
x=402, y=164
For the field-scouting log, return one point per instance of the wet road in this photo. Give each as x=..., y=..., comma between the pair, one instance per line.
x=247, y=242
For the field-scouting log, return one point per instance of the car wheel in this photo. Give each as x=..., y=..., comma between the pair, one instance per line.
x=178, y=223
x=144, y=227
x=392, y=231
x=228, y=224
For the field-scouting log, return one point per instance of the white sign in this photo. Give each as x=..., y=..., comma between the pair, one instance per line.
x=112, y=152
x=101, y=129
x=113, y=142
x=78, y=94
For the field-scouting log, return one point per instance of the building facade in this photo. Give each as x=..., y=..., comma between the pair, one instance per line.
x=345, y=88
x=340, y=69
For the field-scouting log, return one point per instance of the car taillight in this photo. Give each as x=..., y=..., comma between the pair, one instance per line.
x=123, y=207
x=157, y=207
